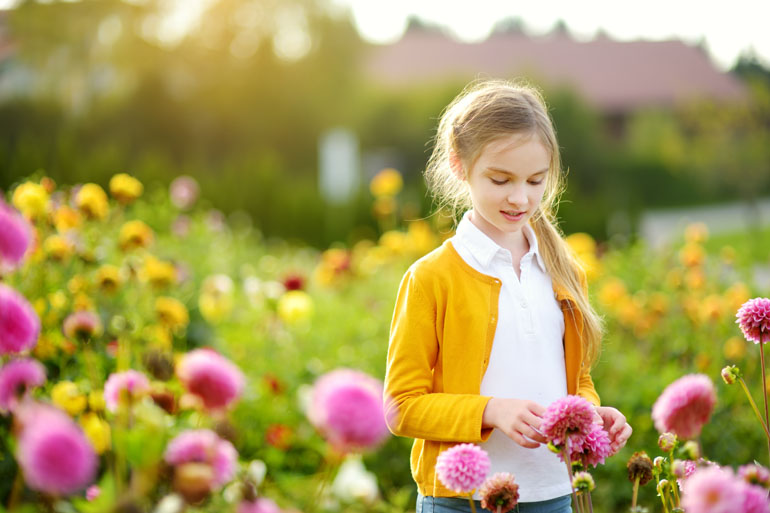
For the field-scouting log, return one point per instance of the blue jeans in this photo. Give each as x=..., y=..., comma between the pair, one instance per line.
x=457, y=504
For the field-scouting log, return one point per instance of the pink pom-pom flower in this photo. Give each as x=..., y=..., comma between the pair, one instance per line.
x=346, y=407
x=15, y=237
x=463, y=468
x=685, y=406
x=212, y=377
x=756, y=474
x=754, y=319
x=590, y=448
x=204, y=446
x=19, y=323
x=124, y=385
x=718, y=490
x=565, y=416
x=754, y=499
x=16, y=378
x=260, y=505
x=499, y=493
x=54, y=454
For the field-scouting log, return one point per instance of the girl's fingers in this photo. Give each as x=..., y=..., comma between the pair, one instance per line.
x=522, y=441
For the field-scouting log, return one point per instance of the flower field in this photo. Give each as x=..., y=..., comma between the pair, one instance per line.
x=171, y=358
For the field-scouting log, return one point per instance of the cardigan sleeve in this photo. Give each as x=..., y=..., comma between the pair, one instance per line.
x=412, y=407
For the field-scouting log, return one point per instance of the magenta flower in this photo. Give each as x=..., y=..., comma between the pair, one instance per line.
x=591, y=448
x=685, y=406
x=755, y=474
x=499, y=493
x=463, y=468
x=260, y=505
x=19, y=324
x=754, y=318
x=570, y=414
x=204, y=446
x=712, y=490
x=754, y=499
x=346, y=408
x=82, y=325
x=54, y=454
x=93, y=492
x=128, y=384
x=15, y=237
x=184, y=192
x=212, y=377
x=16, y=378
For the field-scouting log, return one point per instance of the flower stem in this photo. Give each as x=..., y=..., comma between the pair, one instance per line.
x=565, y=453
x=675, y=490
x=473, y=504
x=764, y=381
x=754, y=407
x=636, y=492
x=590, y=502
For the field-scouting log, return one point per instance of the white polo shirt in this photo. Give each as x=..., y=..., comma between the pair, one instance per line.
x=527, y=359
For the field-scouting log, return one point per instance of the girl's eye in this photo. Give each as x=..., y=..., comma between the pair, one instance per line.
x=498, y=182
x=536, y=183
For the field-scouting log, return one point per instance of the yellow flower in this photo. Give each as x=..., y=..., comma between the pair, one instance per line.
x=135, y=234
x=421, y=238
x=581, y=243
x=125, y=188
x=97, y=430
x=158, y=272
x=214, y=307
x=171, y=312
x=96, y=400
x=736, y=295
x=702, y=362
x=58, y=247
x=696, y=233
x=31, y=199
x=658, y=303
x=612, y=292
x=65, y=395
x=387, y=182
x=384, y=206
x=734, y=348
x=108, y=278
x=590, y=264
x=77, y=284
x=66, y=218
x=295, y=306
x=83, y=301
x=44, y=348
x=711, y=308
x=695, y=279
x=395, y=241
x=158, y=336
x=692, y=254
x=674, y=278
x=92, y=201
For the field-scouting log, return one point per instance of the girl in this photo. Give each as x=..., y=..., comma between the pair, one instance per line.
x=495, y=324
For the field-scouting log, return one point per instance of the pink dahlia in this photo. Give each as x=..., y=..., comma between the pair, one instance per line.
x=15, y=237
x=16, y=377
x=754, y=319
x=82, y=325
x=754, y=499
x=128, y=384
x=203, y=446
x=184, y=191
x=212, y=377
x=19, y=324
x=685, y=406
x=754, y=473
x=570, y=414
x=499, y=493
x=462, y=468
x=591, y=448
x=712, y=490
x=260, y=505
x=54, y=454
x=346, y=407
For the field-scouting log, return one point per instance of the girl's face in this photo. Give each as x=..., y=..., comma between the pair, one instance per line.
x=507, y=183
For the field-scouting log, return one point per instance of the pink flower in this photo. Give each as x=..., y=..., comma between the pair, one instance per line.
x=54, y=454
x=346, y=407
x=591, y=448
x=82, y=325
x=16, y=378
x=462, y=468
x=19, y=324
x=755, y=474
x=570, y=414
x=212, y=377
x=184, y=192
x=260, y=505
x=754, y=318
x=685, y=406
x=15, y=237
x=93, y=492
x=754, y=499
x=712, y=490
x=204, y=446
x=499, y=491
x=128, y=384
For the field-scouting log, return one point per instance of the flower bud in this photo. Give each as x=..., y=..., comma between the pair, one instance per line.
x=690, y=450
x=731, y=374
x=667, y=442
x=640, y=467
x=193, y=481
x=658, y=463
x=583, y=482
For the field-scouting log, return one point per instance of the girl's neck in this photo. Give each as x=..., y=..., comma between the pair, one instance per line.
x=515, y=242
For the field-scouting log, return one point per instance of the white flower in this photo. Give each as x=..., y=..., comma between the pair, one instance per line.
x=257, y=471
x=172, y=503
x=354, y=483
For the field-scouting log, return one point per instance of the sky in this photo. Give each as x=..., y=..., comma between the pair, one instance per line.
x=725, y=28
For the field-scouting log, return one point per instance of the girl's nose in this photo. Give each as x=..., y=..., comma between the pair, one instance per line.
x=517, y=196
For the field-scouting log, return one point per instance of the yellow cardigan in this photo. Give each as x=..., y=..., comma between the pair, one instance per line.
x=440, y=341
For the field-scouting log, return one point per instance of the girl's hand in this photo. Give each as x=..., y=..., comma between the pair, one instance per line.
x=518, y=419
x=615, y=424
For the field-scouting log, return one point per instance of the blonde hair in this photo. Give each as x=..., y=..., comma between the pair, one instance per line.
x=484, y=112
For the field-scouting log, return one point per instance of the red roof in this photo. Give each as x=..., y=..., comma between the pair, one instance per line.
x=615, y=76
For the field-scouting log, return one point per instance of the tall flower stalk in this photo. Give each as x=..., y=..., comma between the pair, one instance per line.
x=732, y=374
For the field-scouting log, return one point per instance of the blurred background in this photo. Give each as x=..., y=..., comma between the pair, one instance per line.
x=285, y=109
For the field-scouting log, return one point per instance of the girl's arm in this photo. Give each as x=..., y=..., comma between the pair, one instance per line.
x=412, y=408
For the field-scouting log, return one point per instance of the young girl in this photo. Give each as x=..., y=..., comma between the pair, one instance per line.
x=495, y=324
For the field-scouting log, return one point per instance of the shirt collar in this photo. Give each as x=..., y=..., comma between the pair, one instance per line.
x=484, y=248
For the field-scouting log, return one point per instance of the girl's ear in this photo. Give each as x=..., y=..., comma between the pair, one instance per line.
x=457, y=166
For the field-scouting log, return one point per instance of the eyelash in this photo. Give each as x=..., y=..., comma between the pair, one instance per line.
x=496, y=182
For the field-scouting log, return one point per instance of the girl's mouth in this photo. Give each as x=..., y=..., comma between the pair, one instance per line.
x=512, y=216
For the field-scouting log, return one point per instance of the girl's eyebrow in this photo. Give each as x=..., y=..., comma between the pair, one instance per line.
x=506, y=172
